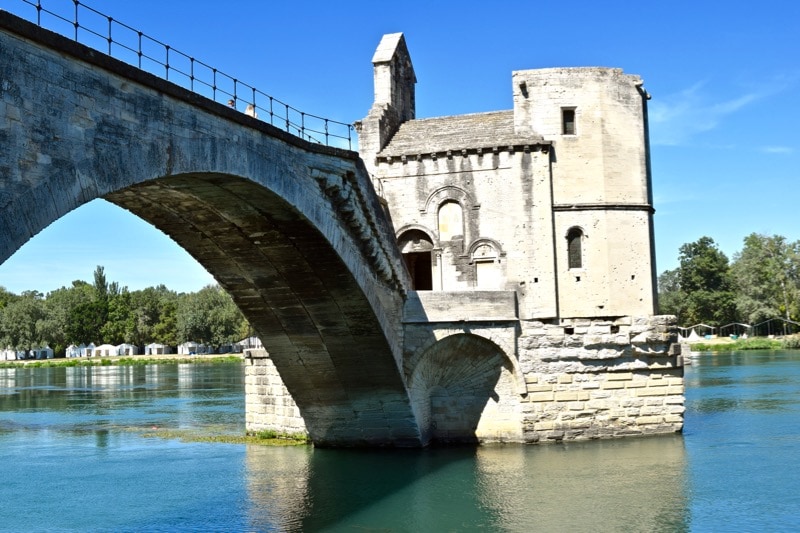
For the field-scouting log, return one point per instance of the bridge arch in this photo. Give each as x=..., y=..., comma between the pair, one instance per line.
x=294, y=231
x=454, y=379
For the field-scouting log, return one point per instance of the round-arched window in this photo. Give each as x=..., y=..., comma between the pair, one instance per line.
x=574, y=247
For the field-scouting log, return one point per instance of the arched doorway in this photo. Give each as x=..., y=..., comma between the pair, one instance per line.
x=417, y=247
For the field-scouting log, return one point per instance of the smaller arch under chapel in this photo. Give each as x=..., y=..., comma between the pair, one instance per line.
x=551, y=199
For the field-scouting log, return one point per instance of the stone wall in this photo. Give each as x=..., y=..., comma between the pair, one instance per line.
x=585, y=379
x=268, y=404
x=592, y=379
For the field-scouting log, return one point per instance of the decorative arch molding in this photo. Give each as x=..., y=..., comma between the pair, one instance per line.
x=485, y=241
x=449, y=193
x=417, y=227
x=574, y=227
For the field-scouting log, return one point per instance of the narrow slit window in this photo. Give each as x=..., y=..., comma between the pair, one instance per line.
x=574, y=251
x=568, y=121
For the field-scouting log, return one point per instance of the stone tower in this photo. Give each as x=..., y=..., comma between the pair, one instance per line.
x=394, y=102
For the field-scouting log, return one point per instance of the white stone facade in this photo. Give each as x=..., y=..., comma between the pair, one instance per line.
x=544, y=213
x=492, y=197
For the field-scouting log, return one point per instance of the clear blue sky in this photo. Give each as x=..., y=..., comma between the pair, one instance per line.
x=724, y=77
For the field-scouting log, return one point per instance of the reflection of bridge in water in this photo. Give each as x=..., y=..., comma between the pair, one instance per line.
x=295, y=232
x=500, y=488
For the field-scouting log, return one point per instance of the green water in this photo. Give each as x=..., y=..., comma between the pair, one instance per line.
x=77, y=455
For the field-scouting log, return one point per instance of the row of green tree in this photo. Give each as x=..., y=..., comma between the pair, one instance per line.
x=105, y=313
x=762, y=282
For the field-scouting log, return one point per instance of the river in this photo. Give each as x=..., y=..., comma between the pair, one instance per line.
x=78, y=452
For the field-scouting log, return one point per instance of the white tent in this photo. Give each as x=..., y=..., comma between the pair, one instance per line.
x=42, y=352
x=76, y=351
x=127, y=349
x=155, y=348
x=104, y=350
x=188, y=348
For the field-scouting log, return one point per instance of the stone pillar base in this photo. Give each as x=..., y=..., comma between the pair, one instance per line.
x=268, y=404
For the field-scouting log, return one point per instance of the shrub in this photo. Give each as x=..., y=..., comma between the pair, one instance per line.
x=792, y=342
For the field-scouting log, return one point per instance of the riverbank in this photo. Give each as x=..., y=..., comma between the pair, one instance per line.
x=169, y=359
x=261, y=438
x=726, y=344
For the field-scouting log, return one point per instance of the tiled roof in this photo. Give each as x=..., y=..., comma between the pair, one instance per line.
x=477, y=130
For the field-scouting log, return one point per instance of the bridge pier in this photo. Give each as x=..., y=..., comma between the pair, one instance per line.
x=496, y=378
x=268, y=404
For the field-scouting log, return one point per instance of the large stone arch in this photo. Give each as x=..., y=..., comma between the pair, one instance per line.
x=293, y=230
x=454, y=380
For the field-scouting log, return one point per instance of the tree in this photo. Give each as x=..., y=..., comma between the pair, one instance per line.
x=120, y=325
x=767, y=277
x=671, y=301
x=103, y=312
x=58, y=307
x=6, y=297
x=21, y=321
x=209, y=316
x=85, y=316
x=153, y=311
x=705, y=284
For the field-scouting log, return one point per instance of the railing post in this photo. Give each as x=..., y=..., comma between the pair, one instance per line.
x=75, y=21
x=110, y=40
x=271, y=114
x=214, y=85
x=139, y=51
x=166, y=64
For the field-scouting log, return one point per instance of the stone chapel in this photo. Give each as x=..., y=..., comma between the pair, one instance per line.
x=551, y=199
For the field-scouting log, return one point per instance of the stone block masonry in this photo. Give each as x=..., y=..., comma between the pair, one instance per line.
x=592, y=379
x=269, y=404
x=582, y=380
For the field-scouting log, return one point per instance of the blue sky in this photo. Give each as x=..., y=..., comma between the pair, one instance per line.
x=724, y=77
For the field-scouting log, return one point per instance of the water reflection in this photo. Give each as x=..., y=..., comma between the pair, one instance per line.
x=277, y=485
x=633, y=485
x=743, y=439
x=82, y=399
x=76, y=431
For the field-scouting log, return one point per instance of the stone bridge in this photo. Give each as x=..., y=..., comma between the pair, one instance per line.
x=292, y=230
x=295, y=232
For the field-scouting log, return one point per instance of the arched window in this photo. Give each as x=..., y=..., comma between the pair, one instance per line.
x=451, y=221
x=574, y=244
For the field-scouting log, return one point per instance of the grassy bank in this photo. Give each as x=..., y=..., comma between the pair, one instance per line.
x=122, y=361
x=756, y=343
x=261, y=438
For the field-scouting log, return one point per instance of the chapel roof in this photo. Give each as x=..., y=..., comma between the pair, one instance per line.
x=460, y=132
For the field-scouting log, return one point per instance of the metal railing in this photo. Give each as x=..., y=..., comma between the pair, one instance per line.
x=92, y=28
